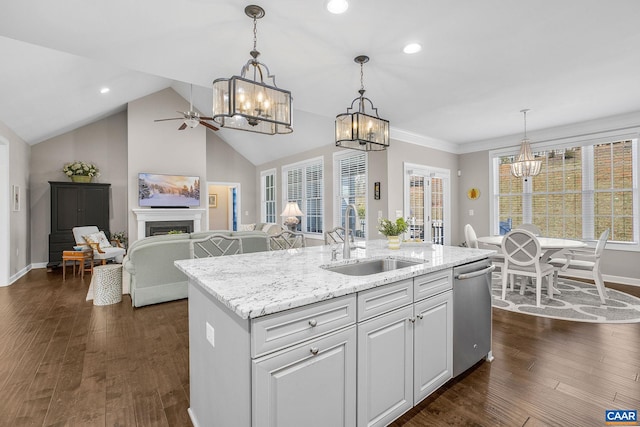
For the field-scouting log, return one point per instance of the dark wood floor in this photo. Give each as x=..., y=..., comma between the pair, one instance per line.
x=65, y=362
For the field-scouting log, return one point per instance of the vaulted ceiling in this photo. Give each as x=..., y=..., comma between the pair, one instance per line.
x=481, y=63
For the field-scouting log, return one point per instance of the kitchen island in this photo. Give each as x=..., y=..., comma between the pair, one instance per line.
x=276, y=338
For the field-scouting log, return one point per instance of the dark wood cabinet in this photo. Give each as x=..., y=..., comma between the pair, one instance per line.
x=72, y=205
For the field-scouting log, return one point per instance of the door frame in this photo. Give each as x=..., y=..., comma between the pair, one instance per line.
x=5, y=228
x=430, y=171
x=229, y=185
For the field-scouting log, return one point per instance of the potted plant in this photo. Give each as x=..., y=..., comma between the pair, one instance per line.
x=80, y=171
x=393, y=230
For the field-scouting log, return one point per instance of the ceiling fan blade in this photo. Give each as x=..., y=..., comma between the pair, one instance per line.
x=207, y=125
x=182, y=126
x=164, y=120
x=206, y=118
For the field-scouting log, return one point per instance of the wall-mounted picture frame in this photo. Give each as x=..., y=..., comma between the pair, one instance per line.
x=376, y=190
x=213, y=200
x=15, y=197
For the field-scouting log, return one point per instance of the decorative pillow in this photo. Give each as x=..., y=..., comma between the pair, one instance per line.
x=247, y=227
x=98, y=238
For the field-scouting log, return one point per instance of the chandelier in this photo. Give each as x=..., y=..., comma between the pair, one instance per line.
x=250, y=103
x=358, y=130
x=525, y=164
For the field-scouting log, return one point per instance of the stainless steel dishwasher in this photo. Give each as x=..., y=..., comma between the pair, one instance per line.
x=471, y=314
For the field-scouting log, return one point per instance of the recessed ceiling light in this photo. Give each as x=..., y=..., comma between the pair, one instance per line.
x=104, y=90
x=337, y=6
x=412, y=48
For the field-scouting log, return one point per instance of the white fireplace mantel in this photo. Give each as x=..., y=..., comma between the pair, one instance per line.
x=181, y=214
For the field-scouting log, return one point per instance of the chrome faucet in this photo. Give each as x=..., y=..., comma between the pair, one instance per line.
x=346, y=246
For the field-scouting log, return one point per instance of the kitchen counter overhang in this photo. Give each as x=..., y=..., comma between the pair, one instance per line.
x=262, y=283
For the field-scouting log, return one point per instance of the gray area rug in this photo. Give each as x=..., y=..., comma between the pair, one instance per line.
x=577, y=301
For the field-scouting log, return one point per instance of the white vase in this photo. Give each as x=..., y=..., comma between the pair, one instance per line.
x=393, y=242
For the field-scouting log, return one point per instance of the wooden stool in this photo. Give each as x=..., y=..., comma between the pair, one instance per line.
x=82, y=257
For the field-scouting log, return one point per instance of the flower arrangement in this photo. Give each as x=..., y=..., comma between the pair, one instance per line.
x=78, y=168
x=120, y=236
x=390, y=228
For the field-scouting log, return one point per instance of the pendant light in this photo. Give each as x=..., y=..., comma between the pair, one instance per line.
x=252, y=101
x=358, y=130
x=525, y=164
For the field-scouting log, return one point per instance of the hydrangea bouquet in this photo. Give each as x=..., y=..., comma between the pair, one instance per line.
x=80, y=169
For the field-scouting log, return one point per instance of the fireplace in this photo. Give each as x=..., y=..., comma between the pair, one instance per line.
x=156, y=228
x=173, y=216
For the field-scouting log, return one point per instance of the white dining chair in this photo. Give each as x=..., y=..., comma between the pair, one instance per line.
x=522, y=253
x=215, y=245
x=471, y=239
x=287, y=240
x=584, y=260
x=336, y=235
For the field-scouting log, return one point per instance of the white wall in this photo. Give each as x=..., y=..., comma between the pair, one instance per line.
x=159, y=147
x=15, y=248
x=103, y=143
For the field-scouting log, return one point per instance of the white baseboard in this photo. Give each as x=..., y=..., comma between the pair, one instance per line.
x=606, y=277
x=19, y=274
x=193, y=418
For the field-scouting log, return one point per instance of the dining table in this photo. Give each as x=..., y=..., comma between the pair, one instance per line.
x=548, y=245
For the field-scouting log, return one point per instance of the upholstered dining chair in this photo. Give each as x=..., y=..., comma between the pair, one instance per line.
x=215, y=245
x=584, y=260
x=103, y=248
x=336, y=235
x=287, y=240
x=522, y=254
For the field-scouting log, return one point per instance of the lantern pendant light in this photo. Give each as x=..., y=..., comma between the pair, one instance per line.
x=250, y=103
x=526, y=164
x=358, y=130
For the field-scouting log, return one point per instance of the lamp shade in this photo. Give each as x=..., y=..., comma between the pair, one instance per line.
x=291, y=209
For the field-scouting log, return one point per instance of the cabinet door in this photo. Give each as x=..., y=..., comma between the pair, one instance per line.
x=312, y=384
x=95, y=207
x=385, y=367
x=433, y=334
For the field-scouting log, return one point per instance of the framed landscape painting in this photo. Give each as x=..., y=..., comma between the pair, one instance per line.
x=213, y=200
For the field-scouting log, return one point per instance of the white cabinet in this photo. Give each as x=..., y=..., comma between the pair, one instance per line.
x=385, y=367
x=310, y=384
x=433, y=343
x=404, y=354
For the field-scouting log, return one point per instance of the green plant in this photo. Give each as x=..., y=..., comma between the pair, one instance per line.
x=81, y=169
x=174, y=232
x=120, y=236
x=390, y=228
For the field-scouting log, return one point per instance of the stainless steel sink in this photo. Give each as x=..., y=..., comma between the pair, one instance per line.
x=364, y=268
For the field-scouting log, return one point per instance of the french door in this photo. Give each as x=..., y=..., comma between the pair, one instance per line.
x=427, y=203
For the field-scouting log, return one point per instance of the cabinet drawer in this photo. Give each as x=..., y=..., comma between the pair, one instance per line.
x=432, y=284
x=280, y=330
x=384, y=299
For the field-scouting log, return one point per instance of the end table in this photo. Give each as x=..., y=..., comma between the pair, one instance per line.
x=82, y=257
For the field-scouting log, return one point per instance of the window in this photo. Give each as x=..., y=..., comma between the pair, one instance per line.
x=268, y=196
x=351, y=188
x=303, y=183
x=581, y=191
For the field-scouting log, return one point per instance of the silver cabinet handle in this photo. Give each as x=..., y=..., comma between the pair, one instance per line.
x=313, y=323
x=420, y=316
x=412, y=319
x=314, y=350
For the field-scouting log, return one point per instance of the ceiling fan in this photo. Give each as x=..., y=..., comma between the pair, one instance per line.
x=191, y=118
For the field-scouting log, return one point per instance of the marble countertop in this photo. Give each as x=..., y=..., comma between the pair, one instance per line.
x=261, y=283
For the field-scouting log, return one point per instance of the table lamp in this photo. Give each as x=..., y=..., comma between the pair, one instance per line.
x=292, y=212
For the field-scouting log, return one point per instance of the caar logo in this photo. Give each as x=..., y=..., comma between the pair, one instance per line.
x=621, y=417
